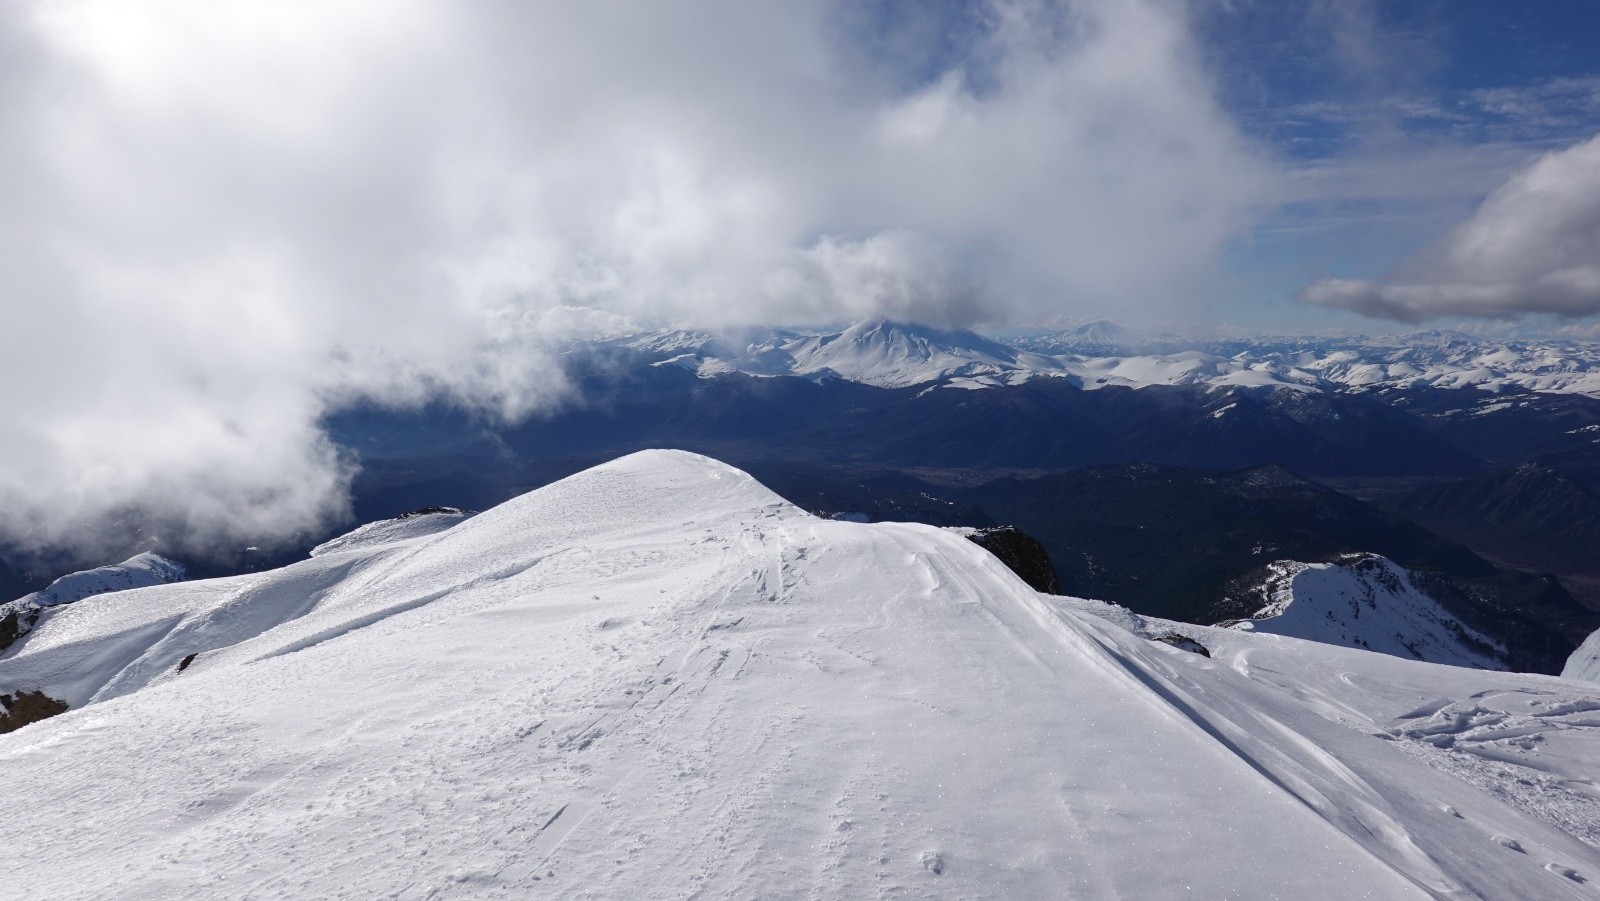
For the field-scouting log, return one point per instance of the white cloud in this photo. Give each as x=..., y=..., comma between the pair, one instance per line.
x=223, y=220
x=1533, y=246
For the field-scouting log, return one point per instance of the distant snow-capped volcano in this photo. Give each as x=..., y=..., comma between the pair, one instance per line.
x=897, y=354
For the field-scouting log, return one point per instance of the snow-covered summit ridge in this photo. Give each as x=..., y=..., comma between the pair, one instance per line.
x=388, y=531
x=1368, y=601
x=17, y=618
x=405, y=562
x=657, y=677
x=1102, y=354
x=137, y=571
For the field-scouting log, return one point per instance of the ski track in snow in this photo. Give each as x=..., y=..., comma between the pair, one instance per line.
x=656, y=679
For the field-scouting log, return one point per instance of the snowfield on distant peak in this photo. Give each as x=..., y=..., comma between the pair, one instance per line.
x=901, y=354
x=657, y=678
x=1370, y=602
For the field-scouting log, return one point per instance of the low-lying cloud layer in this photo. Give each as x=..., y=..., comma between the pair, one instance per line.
x=1532, y=247
x=225, y=219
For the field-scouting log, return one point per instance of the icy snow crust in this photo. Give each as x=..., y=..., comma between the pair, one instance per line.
x=657, y=679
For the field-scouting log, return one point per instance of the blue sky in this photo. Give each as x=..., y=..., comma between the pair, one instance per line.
x=1389, y=122
x=1400, y=115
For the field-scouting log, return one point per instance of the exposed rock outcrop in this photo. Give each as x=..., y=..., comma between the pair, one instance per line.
x=1022, y=553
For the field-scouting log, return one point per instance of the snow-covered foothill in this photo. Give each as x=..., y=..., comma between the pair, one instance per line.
x=1368, y=601
x=18, y=617
x=657, y=678
x=137, y=571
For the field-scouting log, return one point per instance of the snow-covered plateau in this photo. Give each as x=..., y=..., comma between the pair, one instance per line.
x=656, y=678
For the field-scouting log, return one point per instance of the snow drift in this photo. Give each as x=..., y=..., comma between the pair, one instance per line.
x=657, y=678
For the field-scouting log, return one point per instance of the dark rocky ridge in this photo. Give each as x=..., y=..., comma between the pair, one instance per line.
x=1531, y=515
x=16, y=621
x=1194, y=546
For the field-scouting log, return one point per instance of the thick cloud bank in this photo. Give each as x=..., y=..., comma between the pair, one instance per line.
x=224, y=219
x=1532, y=247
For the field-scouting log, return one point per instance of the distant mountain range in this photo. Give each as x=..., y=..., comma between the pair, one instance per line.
x=1164, y=475
x=1199, y=546
x=1101, y=354
x=1531, y=515
x=912, y=397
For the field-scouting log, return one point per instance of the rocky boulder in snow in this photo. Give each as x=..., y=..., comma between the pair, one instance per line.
x=1022, y=553
x=24, y=707
x=1184, y=643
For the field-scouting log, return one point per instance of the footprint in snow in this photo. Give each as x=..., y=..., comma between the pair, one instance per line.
x=1566, y=871
x=1506, y=841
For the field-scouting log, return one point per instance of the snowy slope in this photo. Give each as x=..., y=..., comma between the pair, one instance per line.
x=1585, y=661
x=1367, y=601
x=375, y=535
x=1526, y=740
x=17, y=617
x=135, y=572
x=657, y=679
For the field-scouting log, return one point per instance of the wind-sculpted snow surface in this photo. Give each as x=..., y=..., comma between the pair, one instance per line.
x=658, y=679
x=1527, y=742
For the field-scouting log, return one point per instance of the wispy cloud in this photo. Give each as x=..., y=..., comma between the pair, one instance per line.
x=1532, y=247
x=1559, y=105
